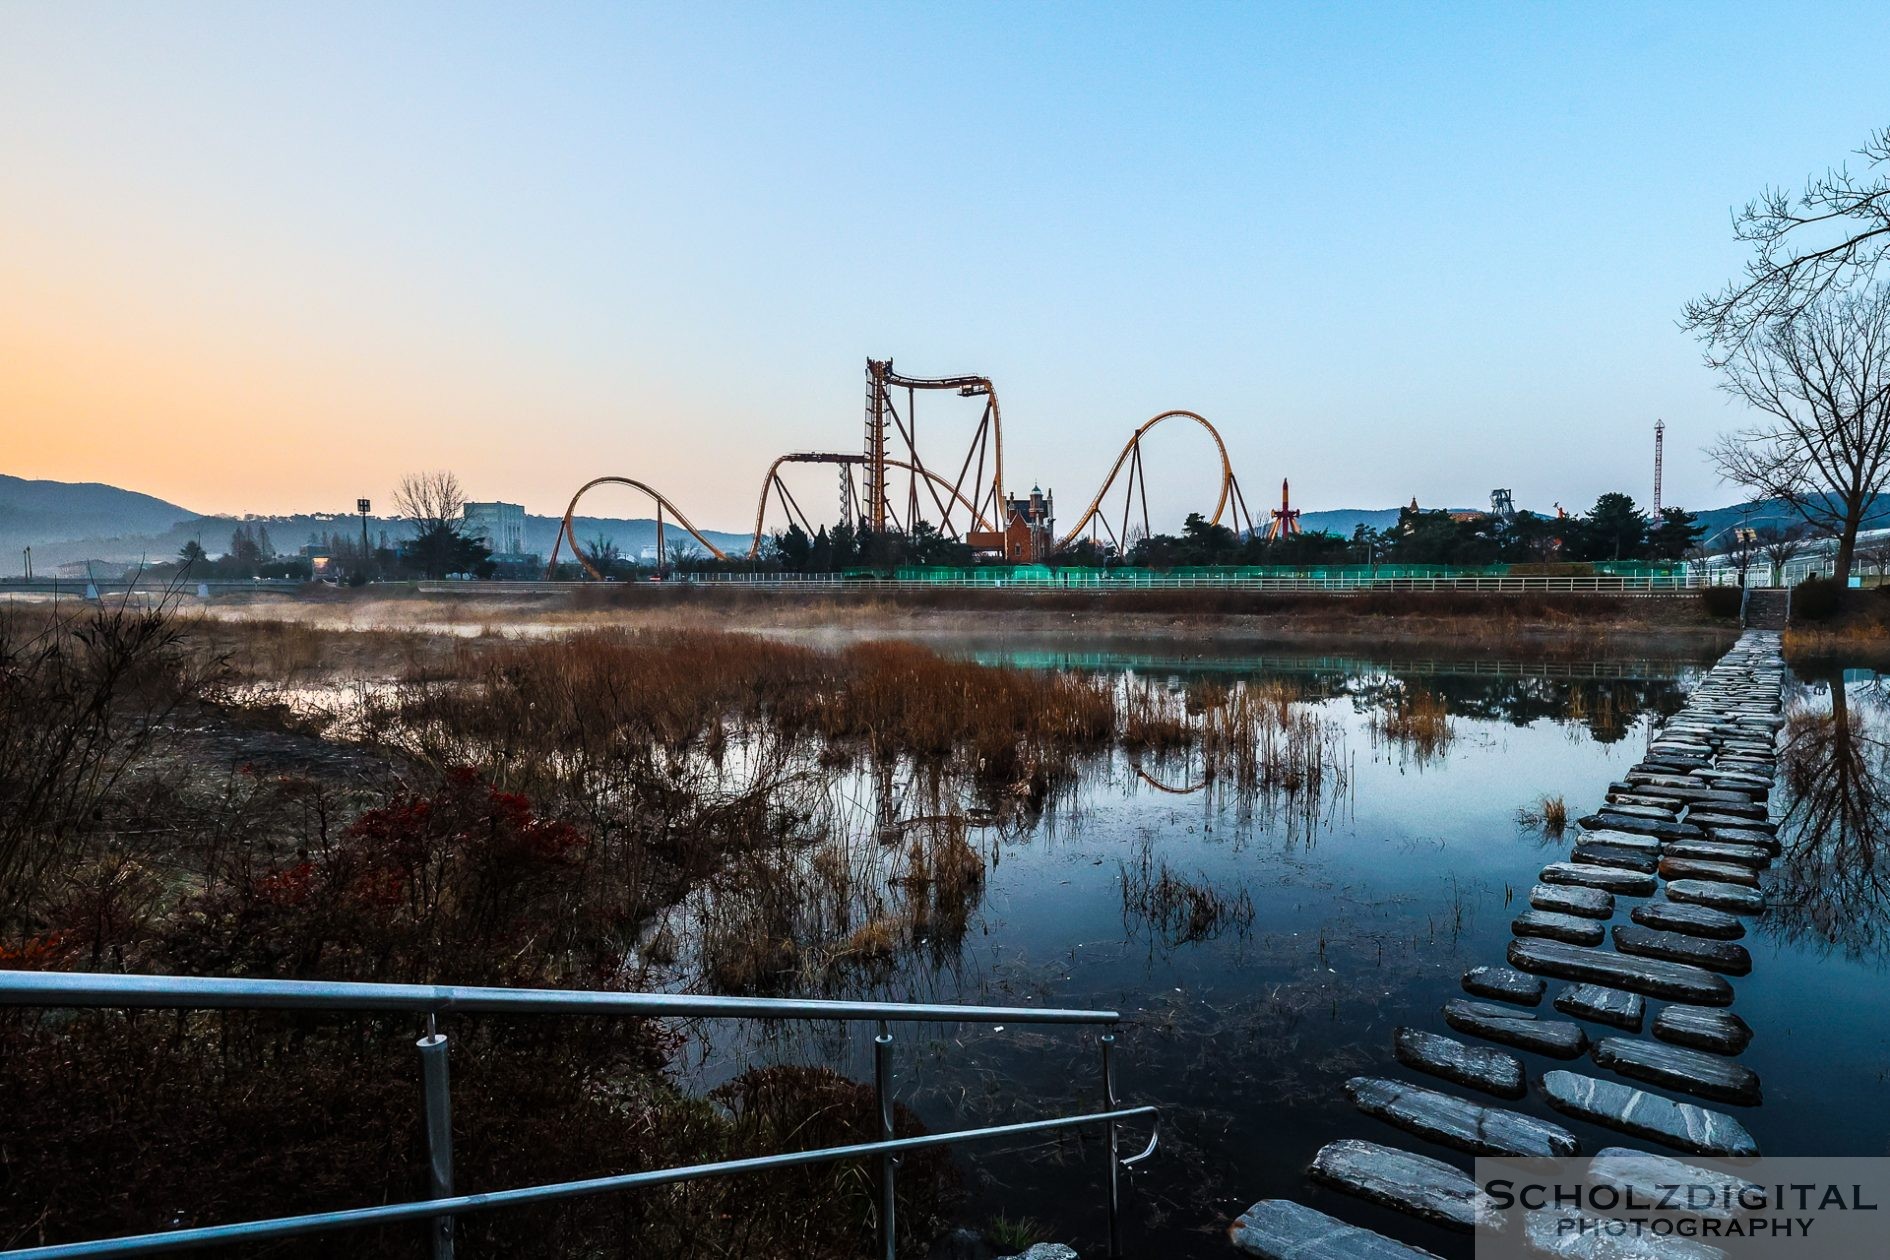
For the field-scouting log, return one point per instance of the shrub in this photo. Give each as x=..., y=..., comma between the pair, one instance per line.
x=1816, y=599
x=1721, y=601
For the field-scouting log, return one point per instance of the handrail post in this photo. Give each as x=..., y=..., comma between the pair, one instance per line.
x=1115, y=1167
x=882, y=1080
x=436, y=1087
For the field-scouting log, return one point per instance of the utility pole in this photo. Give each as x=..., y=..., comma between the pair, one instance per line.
x=29, y=564
x=363, y=506
x=1660, y=441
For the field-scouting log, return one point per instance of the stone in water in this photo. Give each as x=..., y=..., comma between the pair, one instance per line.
x=1479, y=1067
x=1603, y=1005
x=1524, y=1029
x=1680, y=1125
x=1457, y=1122
x=1504, y=984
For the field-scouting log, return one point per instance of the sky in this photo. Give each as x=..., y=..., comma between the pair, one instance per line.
x=268, y=258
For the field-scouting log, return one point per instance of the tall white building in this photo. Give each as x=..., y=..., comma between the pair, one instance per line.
x=500, y=526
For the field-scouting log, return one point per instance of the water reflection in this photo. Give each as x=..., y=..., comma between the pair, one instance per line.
x=1830, y=886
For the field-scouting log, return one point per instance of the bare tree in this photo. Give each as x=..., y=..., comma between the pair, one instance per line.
x=1780, y=545
x=1875, y=555
x=432, y=501
x=1821, y=378
x=1827, y=239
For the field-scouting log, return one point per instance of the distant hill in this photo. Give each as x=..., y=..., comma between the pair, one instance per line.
x=53, y=511
x=65, y=522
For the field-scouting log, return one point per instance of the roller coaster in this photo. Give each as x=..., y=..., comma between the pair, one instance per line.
x=958, y=505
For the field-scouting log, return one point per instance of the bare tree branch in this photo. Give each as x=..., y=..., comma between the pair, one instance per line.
x=1828, y=239
x=1821, y=380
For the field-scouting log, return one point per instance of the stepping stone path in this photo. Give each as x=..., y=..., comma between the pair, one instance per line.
x=1722, y=1032
x=1693, y=920
x=1603, y=1005
x=1663, y=828
x=1616, y=856
x=1645, y=942
x=1750, y=855
x=1679, y=1125
x=1504, y=984
x=1426, y=1188
x=1690, y=1071
x=1642, y=1174
x=1558, y=927
x=1525, y=1030
x=1723, y=872
x=1693, y=816
x=1457, y=1122
x=1652, y=977
x=1607, y=878
x=1590, y=903
x=1733, y=897
x=1491, y=1071
x=1280, y=1229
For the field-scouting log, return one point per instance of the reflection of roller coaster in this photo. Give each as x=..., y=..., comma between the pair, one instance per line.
x=970, y=506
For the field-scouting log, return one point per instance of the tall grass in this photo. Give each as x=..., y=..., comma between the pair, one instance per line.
x=1417, y=722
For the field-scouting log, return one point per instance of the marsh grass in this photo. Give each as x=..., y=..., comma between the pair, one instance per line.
x=1417, y=722
x=1175, y=909
x=1549, y=815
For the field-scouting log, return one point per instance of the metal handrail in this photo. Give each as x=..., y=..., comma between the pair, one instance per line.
x=145, y=992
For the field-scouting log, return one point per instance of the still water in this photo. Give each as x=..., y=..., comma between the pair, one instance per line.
x=1324, y=922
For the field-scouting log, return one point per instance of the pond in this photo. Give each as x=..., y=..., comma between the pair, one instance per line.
x=1262, y=945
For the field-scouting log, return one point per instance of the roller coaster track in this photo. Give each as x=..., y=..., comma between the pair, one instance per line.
x=567, y=532
x=1131, y=457
x=982, y=498
x=881, y=380
x=772, y=483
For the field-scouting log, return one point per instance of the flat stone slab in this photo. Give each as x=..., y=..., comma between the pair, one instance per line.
x=1717, y=872
x=1720, y=818
x=1603, y=1005
x=1478, y=1067
x=1426, y=1188
x=1745, y=835
x=1280, y=1229
x=1457, y=1122
x=1668, y=806
x=1643, y=1174
x=1614, y=820
x=1556, y=1232
x=1693, y=920
x=1644, y=942
x=1525, y=1030
x=1753, y=856
x=1722, y=1032
x=1735, y=898
x=1659, y=813
x=1558, y=927
x=1680, y=1125
x=1503, y=984
x=1608, y=878
x=1719, y=811
x=1590, y=903
x=1675, y=1067
x=1616, y=856
x=1623, y=839
x=1652, y=977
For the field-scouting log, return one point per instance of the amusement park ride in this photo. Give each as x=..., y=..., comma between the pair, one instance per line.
x=968, y=504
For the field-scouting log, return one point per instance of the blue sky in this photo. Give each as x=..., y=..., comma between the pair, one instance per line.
x=268, y=258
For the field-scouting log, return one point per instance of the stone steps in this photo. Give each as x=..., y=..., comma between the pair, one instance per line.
x=1417, y=1185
